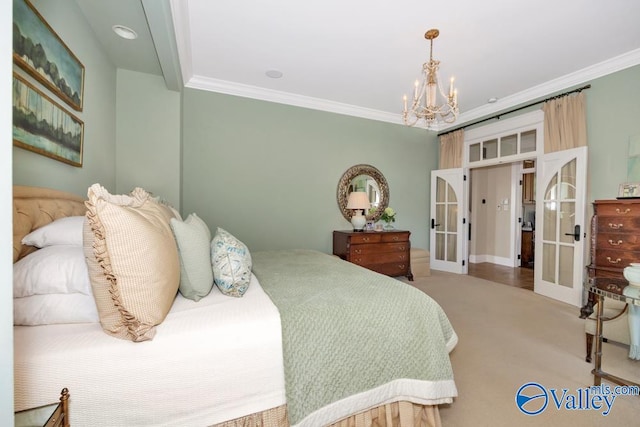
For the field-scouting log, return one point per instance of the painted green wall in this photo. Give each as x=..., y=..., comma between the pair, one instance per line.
x=98, y=112
x=268, y=172
x=613, y=117
x=147, y=136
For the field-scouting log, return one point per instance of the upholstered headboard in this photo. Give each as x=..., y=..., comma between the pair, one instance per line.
x=34, y=207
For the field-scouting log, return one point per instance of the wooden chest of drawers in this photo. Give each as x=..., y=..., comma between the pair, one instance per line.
x=386, y=252
x=615, y=237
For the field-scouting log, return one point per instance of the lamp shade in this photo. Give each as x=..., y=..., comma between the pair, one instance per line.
x=358, y=200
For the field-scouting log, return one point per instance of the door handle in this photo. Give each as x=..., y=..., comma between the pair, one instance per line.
x=433, y=223
x=575, y=234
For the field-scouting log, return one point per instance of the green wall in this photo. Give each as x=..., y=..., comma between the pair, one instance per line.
x=147, y=136
x=613, y=117
x=268, y=172
x=98, y=112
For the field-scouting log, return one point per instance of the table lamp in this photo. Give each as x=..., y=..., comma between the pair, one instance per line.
x=358, y=201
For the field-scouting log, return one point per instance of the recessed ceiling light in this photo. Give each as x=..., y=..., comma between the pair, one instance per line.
x=492, y=100
x=274, y=74
x=125, y=32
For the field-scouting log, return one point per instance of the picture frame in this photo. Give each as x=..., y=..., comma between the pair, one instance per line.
x=629, y=190
x=39, y=51
x=43, y=126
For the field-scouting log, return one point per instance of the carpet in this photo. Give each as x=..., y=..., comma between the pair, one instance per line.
x=509, y=337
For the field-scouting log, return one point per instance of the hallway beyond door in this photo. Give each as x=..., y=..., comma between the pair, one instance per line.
x=518, y=277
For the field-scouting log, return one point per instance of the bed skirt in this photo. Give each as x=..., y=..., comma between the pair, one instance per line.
x=396, y=414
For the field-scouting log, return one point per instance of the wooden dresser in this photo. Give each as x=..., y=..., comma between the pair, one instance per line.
x=385, y=252
x=615, y=237
x=615, y=243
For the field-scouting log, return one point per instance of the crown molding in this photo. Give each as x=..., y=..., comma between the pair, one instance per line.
x=612, y=65
x=579, y=77
x=270, y=95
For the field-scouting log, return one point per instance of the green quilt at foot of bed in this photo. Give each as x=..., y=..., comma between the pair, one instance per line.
x=346, y=330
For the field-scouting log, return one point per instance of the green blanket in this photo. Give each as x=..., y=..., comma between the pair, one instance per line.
x=346, y=330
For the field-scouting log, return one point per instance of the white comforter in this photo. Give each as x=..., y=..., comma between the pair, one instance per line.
x=212, y=360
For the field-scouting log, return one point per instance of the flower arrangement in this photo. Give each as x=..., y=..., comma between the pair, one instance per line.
x=388, y=215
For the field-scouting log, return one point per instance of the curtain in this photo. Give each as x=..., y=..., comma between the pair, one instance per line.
x=451, y=145
x=565, y=123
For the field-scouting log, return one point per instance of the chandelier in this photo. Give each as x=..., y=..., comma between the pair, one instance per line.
x=425, y=104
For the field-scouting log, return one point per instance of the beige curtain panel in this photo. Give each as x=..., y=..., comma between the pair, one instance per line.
x=565, y=123
x=451, y=145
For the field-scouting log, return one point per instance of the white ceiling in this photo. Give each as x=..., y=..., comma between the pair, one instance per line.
x=359, y=57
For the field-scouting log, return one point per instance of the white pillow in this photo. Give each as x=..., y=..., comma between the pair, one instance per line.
x=54, y=308
x=62, y=231
x=194, y=239
x=231, y=263
x=58, y=269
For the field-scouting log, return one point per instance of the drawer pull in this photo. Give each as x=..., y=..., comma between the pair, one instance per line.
x=359, y=251
x=612, y=261
x=401, y=266
x=615, y=226
x=612, y=243
x=366, y=239
x=613, y=287
x=395, y=238
x=626, y=211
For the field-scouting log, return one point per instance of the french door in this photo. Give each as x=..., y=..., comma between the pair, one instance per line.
x=560, y=223
x=448, y=235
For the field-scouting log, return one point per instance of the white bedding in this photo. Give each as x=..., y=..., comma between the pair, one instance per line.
x=220, y=358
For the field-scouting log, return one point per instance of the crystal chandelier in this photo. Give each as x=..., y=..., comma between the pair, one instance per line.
x=425, y=96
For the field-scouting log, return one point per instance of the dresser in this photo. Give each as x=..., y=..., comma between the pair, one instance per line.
x=615, y=243
x=615, y=237
x=386, y=252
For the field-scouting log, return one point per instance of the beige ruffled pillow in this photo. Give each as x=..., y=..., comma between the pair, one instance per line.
x=132, y=260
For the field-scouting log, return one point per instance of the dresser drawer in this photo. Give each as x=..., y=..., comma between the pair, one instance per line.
x=393, y=269
x=613, y=258
x=358, y=238
x=620, y=224
x=379, y=248
x=394, y=237
x=379, y=258
x=618, y=241
x=618, y=209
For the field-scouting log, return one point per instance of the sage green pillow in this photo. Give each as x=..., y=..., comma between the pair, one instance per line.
x=194, y=239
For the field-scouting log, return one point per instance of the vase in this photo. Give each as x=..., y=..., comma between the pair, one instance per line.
x=632, y=274
x=388, y=226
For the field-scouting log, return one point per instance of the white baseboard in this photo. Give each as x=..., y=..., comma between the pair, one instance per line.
x=476, y=259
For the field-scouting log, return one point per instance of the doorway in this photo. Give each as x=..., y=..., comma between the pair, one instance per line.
x=502, y=215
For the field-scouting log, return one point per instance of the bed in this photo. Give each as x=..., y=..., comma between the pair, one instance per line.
x=293, y=350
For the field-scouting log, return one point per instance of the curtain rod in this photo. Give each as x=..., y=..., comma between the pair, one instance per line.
x=497, y=116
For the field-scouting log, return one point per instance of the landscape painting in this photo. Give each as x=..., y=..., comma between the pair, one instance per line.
x=43, y=126
x=41, y=53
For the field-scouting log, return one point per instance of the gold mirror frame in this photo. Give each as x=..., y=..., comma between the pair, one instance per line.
x=345, y=182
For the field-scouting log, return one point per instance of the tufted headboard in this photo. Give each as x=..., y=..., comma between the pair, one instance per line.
x=34, y=207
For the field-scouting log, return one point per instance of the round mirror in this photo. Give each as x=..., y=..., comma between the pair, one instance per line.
x=368, y=179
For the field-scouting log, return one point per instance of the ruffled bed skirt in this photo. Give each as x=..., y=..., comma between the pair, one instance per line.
x=397, y=414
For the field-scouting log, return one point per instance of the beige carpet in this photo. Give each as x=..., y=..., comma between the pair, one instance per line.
x=509, y=337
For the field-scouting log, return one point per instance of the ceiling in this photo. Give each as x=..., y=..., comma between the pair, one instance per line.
x=359, y=57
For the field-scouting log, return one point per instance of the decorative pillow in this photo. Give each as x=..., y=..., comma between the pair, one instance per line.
x=57, y=269
x=132, y=260
x=62, y=231
x=194, y=239
x=54, y=308
x=231, y=262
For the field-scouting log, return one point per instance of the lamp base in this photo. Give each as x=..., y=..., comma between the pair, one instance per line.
x=358, y=222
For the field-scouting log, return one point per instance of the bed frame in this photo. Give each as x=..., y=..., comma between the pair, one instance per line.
x=34, y=207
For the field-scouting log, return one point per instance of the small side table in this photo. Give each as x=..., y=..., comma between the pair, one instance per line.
x=600, y=295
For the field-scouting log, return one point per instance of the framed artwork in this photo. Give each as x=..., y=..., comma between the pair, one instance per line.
x=633, y=159
x=43, y=126
x=42, y=54
x=629, y=190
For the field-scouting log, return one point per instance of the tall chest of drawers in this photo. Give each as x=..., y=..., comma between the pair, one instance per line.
x=615, y=237
x=386, y=252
